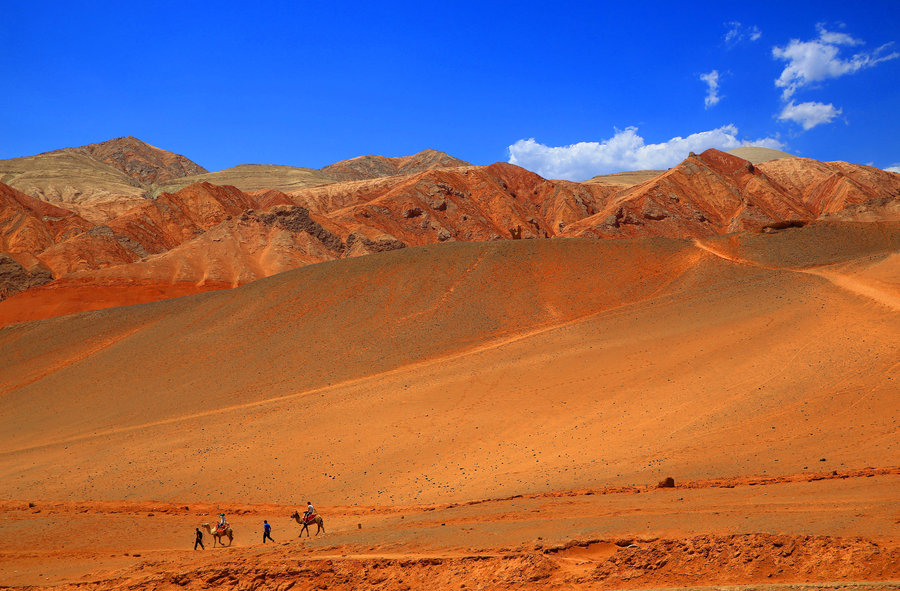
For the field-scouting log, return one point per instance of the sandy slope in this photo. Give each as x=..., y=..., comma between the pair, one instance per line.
x=463, y=371
x=457, y=372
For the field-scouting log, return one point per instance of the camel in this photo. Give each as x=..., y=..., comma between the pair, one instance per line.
x=317, y=520
x=217, y=535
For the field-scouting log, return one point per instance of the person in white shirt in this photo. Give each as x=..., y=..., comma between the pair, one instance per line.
x=310, y=511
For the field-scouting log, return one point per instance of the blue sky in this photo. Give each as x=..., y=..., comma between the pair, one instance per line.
x=568, y=89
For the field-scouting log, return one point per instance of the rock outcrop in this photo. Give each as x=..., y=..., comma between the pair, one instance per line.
x=14, y=277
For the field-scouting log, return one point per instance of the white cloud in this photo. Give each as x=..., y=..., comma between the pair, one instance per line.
x=817, y=60
x=833, y=38
x=737, y=32
x=809, y=114
x=894, y=168
x=712, y=91
x=626, y=150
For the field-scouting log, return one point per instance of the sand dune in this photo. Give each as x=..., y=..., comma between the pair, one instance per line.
x=492, y=415
x=495, y=413
x=651, y=367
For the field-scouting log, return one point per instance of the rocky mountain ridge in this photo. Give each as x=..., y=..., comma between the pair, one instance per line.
x=373, y=166
x=205, y=236
x=716, y=193
x=145, y=163
x=103, y=180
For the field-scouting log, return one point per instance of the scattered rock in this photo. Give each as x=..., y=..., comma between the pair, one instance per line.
x=667, y=482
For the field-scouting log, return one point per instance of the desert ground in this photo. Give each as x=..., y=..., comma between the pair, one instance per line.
x=484, y=415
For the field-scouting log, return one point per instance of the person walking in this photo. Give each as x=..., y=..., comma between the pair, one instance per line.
x=199, y=540
x=267, y=531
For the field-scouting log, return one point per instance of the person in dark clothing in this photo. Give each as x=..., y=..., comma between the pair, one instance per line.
x=267, y=531
x=199, y=540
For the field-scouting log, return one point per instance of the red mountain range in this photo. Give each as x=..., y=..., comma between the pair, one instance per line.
x=205, y=236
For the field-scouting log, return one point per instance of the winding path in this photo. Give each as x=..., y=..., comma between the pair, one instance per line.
x=843, y=281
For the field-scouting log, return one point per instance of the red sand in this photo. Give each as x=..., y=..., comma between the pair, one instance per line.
x=399, y=392
x=70, y=296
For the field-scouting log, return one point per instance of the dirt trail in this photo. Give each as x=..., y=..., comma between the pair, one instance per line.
x=728, y=257
x=860, y=287
x=844, y=281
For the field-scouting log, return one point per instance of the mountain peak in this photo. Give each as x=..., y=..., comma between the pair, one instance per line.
x=758, y=154
x=372, y=166
x=141, y=161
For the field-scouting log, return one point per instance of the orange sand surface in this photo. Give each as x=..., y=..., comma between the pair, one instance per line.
x=806, y=529
x=493, y=415
x=68, y=296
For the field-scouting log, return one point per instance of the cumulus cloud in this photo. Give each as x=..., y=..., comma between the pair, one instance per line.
x=737, y=32
x=712, y=90
x=809, y=114
x=894, y=168
x=626, y=150
x=813, y=61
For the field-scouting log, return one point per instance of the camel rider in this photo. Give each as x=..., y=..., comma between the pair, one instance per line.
x=222, y=523
x=310, y=511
